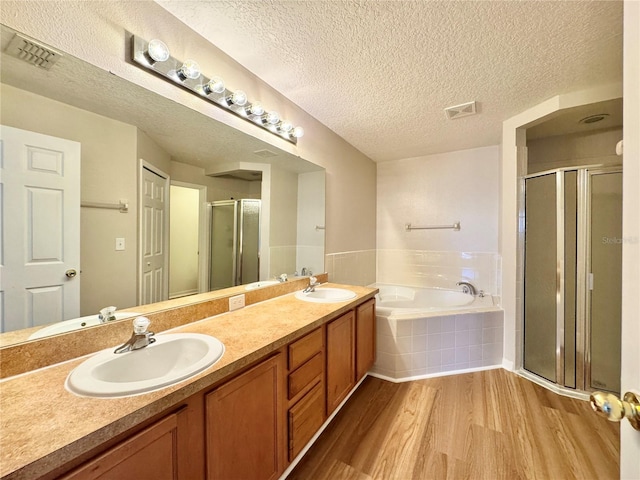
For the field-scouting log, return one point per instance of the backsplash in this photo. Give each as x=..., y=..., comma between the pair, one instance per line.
x=352, y=268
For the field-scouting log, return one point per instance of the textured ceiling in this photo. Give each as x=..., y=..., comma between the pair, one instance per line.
x=380, y=73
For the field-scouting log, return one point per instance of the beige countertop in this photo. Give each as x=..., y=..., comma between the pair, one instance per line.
x=43, y=426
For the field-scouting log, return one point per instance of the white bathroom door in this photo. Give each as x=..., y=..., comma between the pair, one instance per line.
x=40, y=250
x=154, y=255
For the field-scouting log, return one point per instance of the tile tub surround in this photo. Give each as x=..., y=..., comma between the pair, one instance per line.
x=42, y=432
x=432, y=345
x=435, y=269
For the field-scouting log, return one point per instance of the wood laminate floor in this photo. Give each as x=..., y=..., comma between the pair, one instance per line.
x=483, y=425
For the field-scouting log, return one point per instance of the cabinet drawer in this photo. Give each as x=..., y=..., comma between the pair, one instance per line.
x=305, y=348
x=305, y=419
x=305, y=375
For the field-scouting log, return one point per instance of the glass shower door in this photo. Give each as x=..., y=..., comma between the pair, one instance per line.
x=605, y=282
x=541, y=282
x=222, y=271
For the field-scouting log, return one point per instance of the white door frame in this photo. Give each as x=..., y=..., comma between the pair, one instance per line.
x=203, y=234
x=165, y=280
x=630, y=353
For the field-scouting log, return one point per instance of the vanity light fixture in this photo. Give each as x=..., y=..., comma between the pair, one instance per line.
x=215, y=85
x=254, y=108
x=285, y=126
x=271, y=118
x=154, y=55
x=238, y=98
x=157, y=51
x=189, y=70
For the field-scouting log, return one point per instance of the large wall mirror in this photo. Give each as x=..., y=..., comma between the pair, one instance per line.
x=132, y=144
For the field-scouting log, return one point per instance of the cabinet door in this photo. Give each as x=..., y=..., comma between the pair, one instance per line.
x=244, y=425
x=151, y=454
x=340, y=359
x=365, y=338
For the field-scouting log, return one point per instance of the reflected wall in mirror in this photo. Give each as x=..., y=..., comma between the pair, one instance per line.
x=118, y=125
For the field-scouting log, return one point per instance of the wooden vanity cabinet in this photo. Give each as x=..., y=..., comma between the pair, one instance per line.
x=365, y=338
x=252, y=425
x=158, y=452
x=305, y=390
x=341, y=360
x=244, y=424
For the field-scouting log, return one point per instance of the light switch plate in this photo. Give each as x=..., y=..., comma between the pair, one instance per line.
x=236, y=302
x=119, y=243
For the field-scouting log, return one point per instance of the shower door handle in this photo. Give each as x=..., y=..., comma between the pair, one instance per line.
x=614, y=409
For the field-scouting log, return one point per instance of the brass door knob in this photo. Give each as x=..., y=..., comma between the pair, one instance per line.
x=71, y=273
x=615, y=409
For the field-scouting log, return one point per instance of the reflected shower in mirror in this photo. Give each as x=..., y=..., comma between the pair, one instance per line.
x=119, y=129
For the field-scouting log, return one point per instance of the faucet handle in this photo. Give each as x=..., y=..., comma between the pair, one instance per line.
x=140, y=325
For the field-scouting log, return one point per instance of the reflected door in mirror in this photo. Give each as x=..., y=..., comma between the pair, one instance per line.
x=154, y=275
x=41, y=207
x=235, y=242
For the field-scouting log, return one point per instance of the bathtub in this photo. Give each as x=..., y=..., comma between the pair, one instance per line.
x=401, y=302
x=425, y=332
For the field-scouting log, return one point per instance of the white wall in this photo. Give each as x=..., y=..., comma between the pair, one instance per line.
x=585, y=148
x=439, y=190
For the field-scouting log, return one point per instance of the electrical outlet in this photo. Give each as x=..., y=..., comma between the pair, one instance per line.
x=236, y=302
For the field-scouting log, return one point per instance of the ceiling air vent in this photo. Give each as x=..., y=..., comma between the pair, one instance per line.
x=265, y=153
x=32, y=52
x=462, y=110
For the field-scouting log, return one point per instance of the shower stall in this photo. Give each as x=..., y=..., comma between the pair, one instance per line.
x=572, y=277
x=235, y=243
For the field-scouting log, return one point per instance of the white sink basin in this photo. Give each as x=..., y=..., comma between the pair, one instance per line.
x=326, y=295
x=172, y=358
x=76, y=324
x=263, y=283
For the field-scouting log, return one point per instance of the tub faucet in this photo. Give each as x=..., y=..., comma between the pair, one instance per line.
x=140, y=338
x=467, y=288
x=107, y=314
x=313, y=283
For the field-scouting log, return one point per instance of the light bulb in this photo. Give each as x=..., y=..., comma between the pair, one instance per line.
x=255, y=108
x=190, y=69
x=158, y=51
x=237, y=98
x=298, y=132
x=285, y=126
x=272, y=118
x=215, y=85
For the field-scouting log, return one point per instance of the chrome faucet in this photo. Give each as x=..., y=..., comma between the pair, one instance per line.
x=306, y=271
x=467, y=288
x=140, y=338
x=313, y=283
x=283, y=278
x=107, y=314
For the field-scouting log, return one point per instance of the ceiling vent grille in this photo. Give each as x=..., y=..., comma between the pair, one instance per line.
x=462, y=110
x=265, y=153
x=32, y=52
